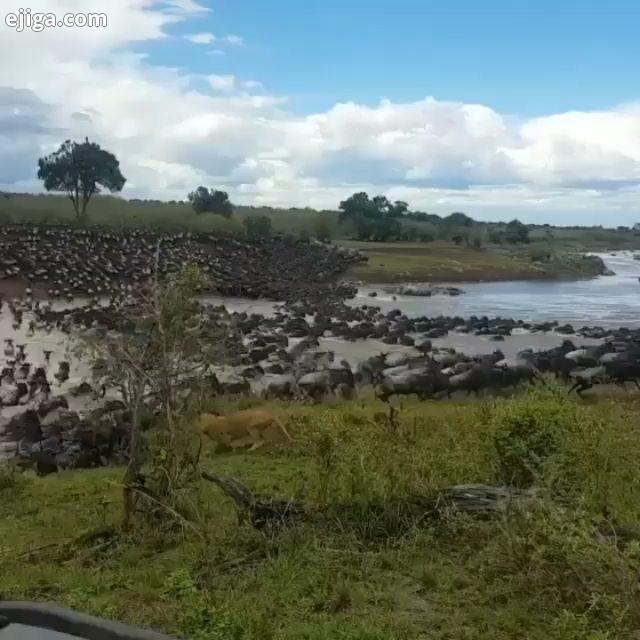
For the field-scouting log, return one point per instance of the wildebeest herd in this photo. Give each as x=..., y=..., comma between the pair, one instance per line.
x=282, y=356
x=62, y=262
x=55, y=420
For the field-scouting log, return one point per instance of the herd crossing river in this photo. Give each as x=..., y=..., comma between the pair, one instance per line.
x=608, y=301
x=520, y=313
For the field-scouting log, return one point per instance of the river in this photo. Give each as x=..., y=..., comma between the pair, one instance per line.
x=606, y=300
x=609, y=301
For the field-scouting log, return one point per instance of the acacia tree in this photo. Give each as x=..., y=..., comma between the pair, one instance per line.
x=373, y=218
x=205, y=200
x=80, y=169
x=516, y=232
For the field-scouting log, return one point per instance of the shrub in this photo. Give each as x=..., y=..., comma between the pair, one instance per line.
x=540, y=255
x=531, y=433
x=258, y=227
x=8, y=477
x=560, y=558
x=322, y=230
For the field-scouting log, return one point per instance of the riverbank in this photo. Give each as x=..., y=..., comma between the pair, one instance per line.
x=366, y=573
x=395, y=262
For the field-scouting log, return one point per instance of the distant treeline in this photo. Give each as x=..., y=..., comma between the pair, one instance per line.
x=360, y=218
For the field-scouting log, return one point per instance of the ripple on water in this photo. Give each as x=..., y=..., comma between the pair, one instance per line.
x=610, y=301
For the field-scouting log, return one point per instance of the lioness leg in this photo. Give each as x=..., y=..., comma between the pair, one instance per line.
x=255, y=437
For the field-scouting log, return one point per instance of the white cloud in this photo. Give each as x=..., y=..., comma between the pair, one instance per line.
x=233, y=39
x=181, y=6
x=171, y=137
x=222, y=83
x=201, y=38
x=209, y=38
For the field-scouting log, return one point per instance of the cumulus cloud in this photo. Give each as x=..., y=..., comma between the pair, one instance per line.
x=209, y=38
x=233, y=39
x=222, y=83
x=180, y=6
x=173, y=130
x=201, y=38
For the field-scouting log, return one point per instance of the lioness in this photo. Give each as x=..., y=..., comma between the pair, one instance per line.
x=252, y=427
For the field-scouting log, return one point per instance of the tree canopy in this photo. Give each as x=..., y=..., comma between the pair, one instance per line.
x=517, y=233
x=80, y=169
x=373, y=218
x=458, y=219
x=205, y=200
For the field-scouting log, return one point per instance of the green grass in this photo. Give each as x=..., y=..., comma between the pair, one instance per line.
x=586, y=238
x=550, y=573
x=445, y=262
x=114, y=211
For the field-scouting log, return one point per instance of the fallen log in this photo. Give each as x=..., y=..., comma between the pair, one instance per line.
x=476, y=499
x=482, y=499
x=259, y=511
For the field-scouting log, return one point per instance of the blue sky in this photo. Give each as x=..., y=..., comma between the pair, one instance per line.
x=499, y=108
x=522, y=57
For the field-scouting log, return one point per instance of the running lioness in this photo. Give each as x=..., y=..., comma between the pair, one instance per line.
x=250, y=428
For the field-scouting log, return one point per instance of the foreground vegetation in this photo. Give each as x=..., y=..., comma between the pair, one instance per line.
x=566, y=567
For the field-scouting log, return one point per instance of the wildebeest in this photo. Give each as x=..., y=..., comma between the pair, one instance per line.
x=425, y=380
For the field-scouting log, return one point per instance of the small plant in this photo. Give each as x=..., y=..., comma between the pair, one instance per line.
x=326, y=462
x=8, y=477
x=322, y=230
x=531, y=431
x=258, y=227
x=198, y=617
x=164, y=355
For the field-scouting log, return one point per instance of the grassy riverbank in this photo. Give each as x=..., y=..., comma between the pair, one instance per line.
x=552, y=253
x=562, y=569
x=445, y=262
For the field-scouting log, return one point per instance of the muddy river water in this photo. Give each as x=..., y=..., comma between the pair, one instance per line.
x=607, y=300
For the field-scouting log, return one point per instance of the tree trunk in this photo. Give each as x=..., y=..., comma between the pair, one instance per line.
x=473, y=499
x=82, y=213
x=132, y=474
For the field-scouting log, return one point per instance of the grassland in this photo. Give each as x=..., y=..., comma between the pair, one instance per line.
x=563, y=569
x=446, y=262
x=176, y=216
x=585, y=238
x=552, y=252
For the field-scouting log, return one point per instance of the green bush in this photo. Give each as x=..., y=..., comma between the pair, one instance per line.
x=258, y=227
x=9, y=478
x=531, y=435
x=322, y=230
x=564, y=563
x=540, y=254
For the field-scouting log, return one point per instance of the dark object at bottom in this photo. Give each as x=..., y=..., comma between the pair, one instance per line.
x=26, y=621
